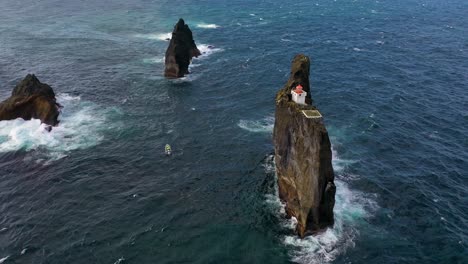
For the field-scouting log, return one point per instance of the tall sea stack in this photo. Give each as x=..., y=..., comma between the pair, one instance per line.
x=31, y=99
x=180, y=52
x=303, y=154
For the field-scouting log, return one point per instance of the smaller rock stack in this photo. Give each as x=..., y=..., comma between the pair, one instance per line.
x=180, y=52
x=31, y=99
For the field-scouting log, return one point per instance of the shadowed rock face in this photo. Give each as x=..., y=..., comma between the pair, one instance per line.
x=180, y=52
x=31, y=99
x=303, y=157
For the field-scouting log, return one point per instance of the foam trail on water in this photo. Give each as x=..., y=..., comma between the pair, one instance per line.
x=351, y=207
x=81, y=126
x=258, y=126
x=155, y=36
x=203, y=25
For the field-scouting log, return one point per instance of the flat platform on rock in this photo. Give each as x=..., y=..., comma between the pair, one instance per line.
x=312, y=114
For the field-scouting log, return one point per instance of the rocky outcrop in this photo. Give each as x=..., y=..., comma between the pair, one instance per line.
x=180, y=52
x=303, y=156
x=31, y=99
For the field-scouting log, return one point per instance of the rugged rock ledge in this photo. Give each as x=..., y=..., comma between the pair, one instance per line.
x=180, y=51
x=303, y=156
x=31, y=99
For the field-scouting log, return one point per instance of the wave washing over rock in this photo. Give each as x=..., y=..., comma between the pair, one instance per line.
x=351, y=208
x=82, y=125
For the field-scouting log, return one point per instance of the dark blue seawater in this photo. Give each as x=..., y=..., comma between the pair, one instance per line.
x=390, y=77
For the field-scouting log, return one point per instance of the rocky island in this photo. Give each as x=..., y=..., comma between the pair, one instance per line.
x=181, y=50
x=303, y=154
x=31, y=99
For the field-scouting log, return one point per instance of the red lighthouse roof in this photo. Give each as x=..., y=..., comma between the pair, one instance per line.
x=298, y=89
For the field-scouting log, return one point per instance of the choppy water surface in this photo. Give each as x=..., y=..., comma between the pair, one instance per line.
x=390, y=78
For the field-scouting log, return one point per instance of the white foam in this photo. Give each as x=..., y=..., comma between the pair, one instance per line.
x=3, y=259
x=120, y=260
x=356, y=49
x=187, y=78
x=154, y=60
x=351, y=208
x=81, y=126
x=206, y=50
x=340, y=164
x=264, y=125
x=155, y=36
x=203, y=25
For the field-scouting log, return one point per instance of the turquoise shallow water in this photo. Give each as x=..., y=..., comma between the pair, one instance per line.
x=390, y=77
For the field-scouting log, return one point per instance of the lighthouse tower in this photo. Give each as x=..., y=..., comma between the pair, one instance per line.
x=298, y=95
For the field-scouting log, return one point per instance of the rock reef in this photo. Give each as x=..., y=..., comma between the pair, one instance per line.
x=180, y=51
x=31, y=99
x=303, y=156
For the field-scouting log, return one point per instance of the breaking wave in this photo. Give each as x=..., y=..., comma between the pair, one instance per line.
x=81, y=126
x=258, y=126
x=351, y=208
x=207, y=50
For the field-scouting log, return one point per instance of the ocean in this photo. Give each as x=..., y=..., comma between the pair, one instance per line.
x=390, y=78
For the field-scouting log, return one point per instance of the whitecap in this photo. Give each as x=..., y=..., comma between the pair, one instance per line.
x=155, y=36
x=154, y=60
x=264, y=125
x=81, y=126
x=356, y=49
x=203, y=25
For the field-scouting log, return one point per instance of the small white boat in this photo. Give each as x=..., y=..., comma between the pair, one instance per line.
x=168, y=149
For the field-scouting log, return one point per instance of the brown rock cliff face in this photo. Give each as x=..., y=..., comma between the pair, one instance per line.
x=180, y=51
x=31, y=99
x=303, y=157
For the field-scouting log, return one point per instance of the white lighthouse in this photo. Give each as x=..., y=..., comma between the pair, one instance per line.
x=298, y=95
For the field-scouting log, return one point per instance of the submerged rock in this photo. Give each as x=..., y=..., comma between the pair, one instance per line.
x=180, y=52
x=31, y=99
x=303, y=156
